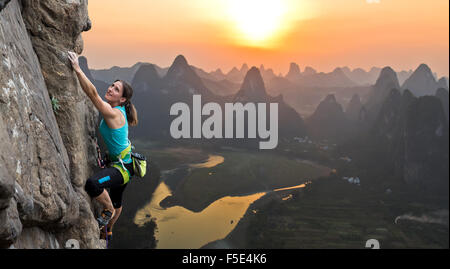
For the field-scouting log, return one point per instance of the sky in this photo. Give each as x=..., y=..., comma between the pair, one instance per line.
x=323, y=34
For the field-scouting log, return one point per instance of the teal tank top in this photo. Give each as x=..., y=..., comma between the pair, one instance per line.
x=116, y=140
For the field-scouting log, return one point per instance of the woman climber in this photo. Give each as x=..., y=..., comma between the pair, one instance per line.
x=118, y=112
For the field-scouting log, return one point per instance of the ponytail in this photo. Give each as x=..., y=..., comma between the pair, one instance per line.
x=131, y=113
x=129, y=107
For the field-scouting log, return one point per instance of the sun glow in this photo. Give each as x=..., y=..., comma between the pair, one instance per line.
x=258, y=21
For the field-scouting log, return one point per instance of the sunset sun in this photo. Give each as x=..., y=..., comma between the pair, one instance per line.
x=257, y=21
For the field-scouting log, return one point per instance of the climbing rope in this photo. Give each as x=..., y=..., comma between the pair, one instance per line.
x=100, y=161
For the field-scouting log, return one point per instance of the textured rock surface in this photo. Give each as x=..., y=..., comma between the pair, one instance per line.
x=44, y=161
x=3, y=3
x=55, y=27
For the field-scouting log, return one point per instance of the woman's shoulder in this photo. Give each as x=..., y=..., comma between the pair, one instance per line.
x=122, y=109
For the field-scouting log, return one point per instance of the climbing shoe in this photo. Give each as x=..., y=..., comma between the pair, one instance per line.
x=105, y=217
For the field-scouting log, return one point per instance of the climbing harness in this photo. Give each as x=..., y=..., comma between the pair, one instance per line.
x=118, y=163
x=139, y=162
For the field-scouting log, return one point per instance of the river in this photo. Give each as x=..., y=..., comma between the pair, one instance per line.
x=178, y=227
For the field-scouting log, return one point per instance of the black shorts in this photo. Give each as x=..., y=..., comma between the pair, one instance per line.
x=108, y=178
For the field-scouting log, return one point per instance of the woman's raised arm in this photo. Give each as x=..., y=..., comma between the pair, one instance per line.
x=90, y=90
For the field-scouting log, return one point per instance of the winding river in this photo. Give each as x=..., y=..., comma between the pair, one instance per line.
x=178, y=227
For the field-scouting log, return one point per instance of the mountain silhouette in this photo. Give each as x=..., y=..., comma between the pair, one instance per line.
x=361, y=77
x=218, y=74
x=237, y=75
x=409, y=139
x=253, y=90
x=328, y=121
x=443, y=95
x=309, y=78
x=157, y=95
x=443, y=83
x=426, y=141
x=421, y=82
x=145, y=77
x=380, y=91
x=354, y=108
x=309, y=71
x=116, y=72
x=294, y=72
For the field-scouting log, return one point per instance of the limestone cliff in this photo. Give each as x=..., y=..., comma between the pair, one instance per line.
x=45, y=155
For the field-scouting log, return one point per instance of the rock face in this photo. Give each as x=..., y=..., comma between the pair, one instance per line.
x=44, y=160
x=3, y=3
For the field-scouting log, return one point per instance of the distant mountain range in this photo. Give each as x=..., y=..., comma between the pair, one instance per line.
x=181, y=81
x=402, y=126
x=302, y=90
x=228, y=83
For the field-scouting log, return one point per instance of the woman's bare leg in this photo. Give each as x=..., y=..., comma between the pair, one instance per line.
x=114, y=219
x=105, y=200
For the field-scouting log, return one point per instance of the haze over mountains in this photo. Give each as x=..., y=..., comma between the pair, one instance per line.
x=314, y=85
x=367, y=112
x=339, y=77
x=360, y=92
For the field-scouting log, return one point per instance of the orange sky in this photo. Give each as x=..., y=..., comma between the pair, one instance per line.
x=323, y=34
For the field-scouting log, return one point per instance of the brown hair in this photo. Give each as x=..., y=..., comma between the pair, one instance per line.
x=129, y=107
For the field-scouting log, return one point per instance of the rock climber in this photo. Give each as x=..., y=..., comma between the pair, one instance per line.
x=118, y=113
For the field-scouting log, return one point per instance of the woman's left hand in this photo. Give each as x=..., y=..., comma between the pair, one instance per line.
x=73, y=57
